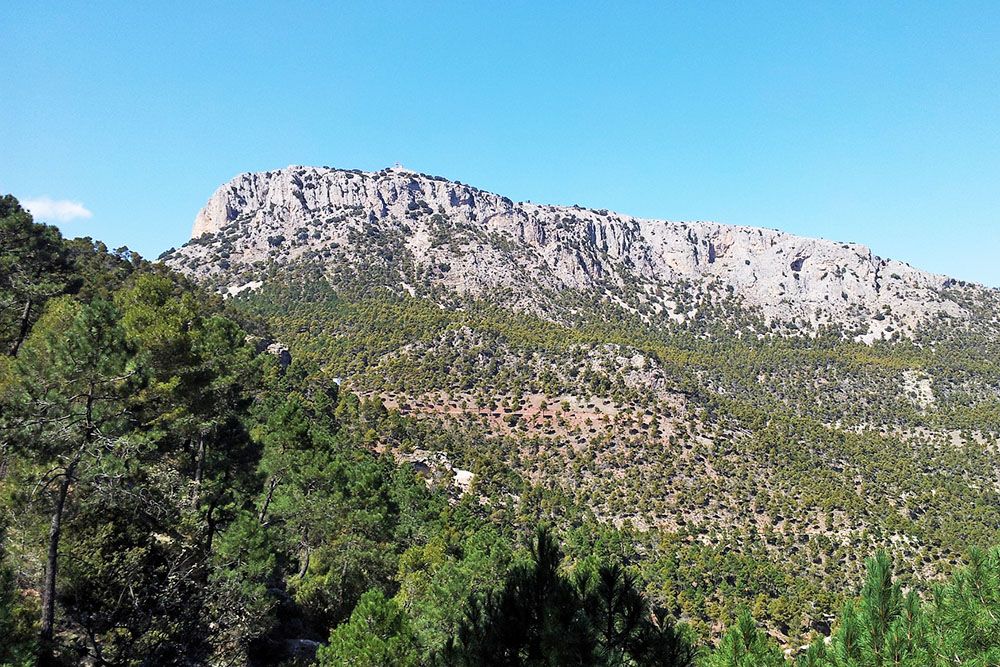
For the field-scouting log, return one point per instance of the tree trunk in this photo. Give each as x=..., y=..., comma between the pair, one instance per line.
x=47, y=630
x=51, y=566
x=210, y=527
x=267, y=501
x=23, y=329
x=304, y=562
x=199, y=471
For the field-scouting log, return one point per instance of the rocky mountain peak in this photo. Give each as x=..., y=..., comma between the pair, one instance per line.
x=298, y=192
x=413, y=229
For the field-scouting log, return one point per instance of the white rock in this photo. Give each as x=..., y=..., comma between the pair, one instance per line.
x=490, y=242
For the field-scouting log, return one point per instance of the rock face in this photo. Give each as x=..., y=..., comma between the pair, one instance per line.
x=276, y=349
x=412, y=228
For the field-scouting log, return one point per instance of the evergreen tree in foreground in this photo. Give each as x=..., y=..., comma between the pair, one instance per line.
x=965, y=621
x=745, y=646
x=68, y=387
x=540, y=617
x=959, y=626
x=34, y=266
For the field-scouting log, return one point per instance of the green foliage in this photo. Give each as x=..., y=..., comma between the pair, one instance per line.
x=959, y=626
x=534, y=619
x=17, y=647
x=627, y=631
x=541, y=617
x=452, y=565
x=965, y=615
x=245, y=563
x=34, y=266
x=378, y=633
x=775, y=495
x=100, y=411
x=745, y=646
x=130, y=587
x=171, y=495
x=886, y=628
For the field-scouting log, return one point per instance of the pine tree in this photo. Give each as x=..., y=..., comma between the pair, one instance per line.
x=67, y=398
x=34, y=266
x=884, y=627
x=965, y=616
x=378, y=633
x=533, y=620
x=745, y=646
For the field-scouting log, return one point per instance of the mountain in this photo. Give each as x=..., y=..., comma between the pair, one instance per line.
x=418, y=230
x=754, y=409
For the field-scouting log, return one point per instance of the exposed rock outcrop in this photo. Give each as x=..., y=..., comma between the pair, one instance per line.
x=477, y=242
x=276, y=349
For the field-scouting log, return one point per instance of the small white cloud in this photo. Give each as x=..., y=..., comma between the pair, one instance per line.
x=56, y=210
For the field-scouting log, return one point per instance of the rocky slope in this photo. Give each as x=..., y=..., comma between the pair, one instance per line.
x=414, y=232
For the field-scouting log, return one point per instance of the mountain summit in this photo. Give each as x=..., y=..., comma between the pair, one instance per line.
x=416, y=231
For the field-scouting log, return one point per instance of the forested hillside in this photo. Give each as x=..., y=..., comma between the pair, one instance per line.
x=474, y=485
x=627, y=368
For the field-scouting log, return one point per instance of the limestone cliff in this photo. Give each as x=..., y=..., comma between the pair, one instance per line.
x=415, y=227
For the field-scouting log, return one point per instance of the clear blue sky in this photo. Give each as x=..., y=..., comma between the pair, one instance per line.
x=873, y=122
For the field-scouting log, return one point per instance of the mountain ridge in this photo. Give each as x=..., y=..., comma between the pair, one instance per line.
x=427, y=228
